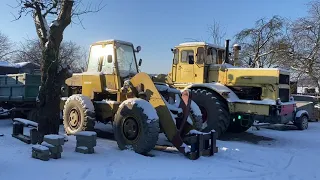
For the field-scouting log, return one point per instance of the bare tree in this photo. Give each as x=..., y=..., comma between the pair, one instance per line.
x=305, y=41
x=69, y=53
x=5, y=46
x=264, y=44
x=53, y=71
x=216, y=33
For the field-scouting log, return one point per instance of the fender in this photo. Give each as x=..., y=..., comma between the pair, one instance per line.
x=221, y=89
x=301, y=113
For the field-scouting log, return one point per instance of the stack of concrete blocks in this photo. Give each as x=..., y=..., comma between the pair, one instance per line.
x=40, y=152
x=86, y=141
x=54, y=143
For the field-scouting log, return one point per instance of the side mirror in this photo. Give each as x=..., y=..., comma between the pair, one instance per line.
x=109, y=58
x=140, y=62
x=138, y=49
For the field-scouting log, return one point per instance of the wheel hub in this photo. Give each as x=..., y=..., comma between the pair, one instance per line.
x=74, y=118
x=130, y=129
x=204, y=114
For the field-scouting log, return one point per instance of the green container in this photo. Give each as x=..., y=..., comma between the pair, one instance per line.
x=19, y=87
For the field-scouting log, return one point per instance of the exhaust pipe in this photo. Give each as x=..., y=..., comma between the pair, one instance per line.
x=236, y=50
x=226, y=55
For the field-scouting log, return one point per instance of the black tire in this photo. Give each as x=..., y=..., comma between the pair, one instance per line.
x=236, y=127
x=79, y=108
x=32, y=115
x=214, y=110
x=145, y=133
x=196, y=118
x=302, y=122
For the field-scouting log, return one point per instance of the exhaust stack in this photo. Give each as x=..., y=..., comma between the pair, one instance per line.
x=236, y=51
x=226, y=55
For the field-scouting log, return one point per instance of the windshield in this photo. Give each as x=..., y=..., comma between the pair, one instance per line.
x=126, y=60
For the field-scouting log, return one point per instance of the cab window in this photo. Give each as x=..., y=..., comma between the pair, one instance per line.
x=187, y=56
x=98, y=59
x=176, y=56
x=200, y=55
x=211, y=57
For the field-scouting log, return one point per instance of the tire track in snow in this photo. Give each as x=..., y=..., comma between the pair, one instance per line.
x=86, y=173
x=289, y=163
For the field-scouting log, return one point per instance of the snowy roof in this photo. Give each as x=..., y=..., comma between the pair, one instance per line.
x=21, y=64
x=200, y=44
x=114, y=40
x=6, y=64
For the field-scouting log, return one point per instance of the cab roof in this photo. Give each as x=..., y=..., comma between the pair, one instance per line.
x=108, y=41
x=200, y=43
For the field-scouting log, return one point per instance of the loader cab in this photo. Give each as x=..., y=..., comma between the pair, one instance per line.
x=191, y=61
x=115, y=59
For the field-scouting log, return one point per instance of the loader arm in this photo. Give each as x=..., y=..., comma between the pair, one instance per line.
x=154, y=97
x=202, y=144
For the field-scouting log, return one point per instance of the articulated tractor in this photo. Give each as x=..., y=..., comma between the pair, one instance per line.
x=112, y=90
x=232, y=98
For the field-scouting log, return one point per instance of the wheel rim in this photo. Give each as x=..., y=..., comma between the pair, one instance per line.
x=130, y=129
x=304, y=122
x=74, y=118
x=204, y=114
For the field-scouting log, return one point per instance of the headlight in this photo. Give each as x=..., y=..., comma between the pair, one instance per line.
x=278, y=101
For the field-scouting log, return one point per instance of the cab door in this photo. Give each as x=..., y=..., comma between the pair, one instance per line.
x=185, y=67
x=199, y=66
x=174, y=67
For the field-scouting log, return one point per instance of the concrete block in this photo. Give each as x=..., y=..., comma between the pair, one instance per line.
x=55, y=155
x=84, y=150
x=17, y=128
x=87, y=143
x=40, y=152
x=34, y=136
x=86, y=135
x=53, y=149
x=54, y=139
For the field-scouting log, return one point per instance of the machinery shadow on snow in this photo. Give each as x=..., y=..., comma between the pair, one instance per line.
x=104, y=134
x=281, y=127
x=245, y=137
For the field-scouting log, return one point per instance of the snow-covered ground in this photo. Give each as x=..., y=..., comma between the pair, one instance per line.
x=264, y=154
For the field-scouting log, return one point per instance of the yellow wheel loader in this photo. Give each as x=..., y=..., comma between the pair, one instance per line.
x=112, y=90
x=232, y=98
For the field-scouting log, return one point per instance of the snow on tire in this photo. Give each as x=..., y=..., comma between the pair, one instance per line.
x=78, y=114
x=136, y=126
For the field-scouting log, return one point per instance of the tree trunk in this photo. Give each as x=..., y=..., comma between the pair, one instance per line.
x=49, y=94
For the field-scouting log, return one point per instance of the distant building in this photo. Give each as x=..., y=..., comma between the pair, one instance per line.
x=15, y=68
x=8, y=68
x=307, y=86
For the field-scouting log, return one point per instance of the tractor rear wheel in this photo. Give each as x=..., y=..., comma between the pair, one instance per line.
x=78, y=114
x=136, y=126
x=215, y=114
x=196, y=116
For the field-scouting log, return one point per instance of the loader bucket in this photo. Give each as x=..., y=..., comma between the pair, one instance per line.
x=202, y=144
